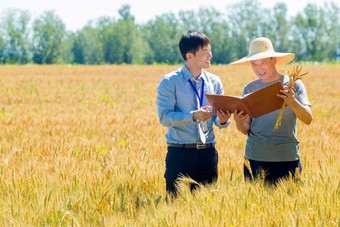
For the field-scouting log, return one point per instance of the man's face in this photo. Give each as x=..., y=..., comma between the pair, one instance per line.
x=264, y=69
x=202, y=57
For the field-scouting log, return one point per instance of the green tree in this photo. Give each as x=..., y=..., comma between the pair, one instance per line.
x=15, y=39
x=2, y=50
x=134, y=45
x=87, y=48
x=246, y=19
x=313, y=35
x=112, y=37
x=148, y=52
x=278, y=27
x=239, y=46
x=66, y=47
x=77, y=49
x=188, y=20
x=332, y=23
x=48, y=36
x=216, y=28
x=163, y=34
x=306, y=33
x=121, y=40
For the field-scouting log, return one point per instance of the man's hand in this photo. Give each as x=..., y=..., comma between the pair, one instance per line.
x=287, y=95
x=242, y=122
x=203, y=114
x=239, y=117
x=222, y=116
x=302, y=112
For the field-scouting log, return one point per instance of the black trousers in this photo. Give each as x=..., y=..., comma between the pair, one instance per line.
x=198, y=164
x=274, y=171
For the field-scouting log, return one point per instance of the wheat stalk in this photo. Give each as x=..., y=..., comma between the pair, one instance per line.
x=247, y=164
x=294, y=75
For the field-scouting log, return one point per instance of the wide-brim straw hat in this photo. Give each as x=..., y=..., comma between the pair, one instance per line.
x=261, y=48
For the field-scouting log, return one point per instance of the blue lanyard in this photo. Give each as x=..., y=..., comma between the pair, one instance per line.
x=202, y=91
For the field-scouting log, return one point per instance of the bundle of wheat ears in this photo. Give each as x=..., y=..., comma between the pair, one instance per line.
x=294, y=75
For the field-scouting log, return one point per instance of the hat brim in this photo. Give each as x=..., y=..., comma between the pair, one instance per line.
x=281, y=58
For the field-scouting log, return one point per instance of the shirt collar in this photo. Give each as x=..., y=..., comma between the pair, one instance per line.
x=283, y=79
x=187, y=74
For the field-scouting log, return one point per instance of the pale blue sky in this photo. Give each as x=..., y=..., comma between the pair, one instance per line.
x=76, y=13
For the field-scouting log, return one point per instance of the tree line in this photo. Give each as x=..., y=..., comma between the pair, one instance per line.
x=313, y=35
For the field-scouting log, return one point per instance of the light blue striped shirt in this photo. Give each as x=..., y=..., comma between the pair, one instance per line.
x=176, y=101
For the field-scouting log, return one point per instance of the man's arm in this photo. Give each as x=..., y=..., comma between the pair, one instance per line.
x=302, y=112
x=166, y=101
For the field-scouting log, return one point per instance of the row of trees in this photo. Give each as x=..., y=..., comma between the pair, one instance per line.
x=313, y=35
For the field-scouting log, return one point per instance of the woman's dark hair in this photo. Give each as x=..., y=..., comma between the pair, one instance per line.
x=191, y=42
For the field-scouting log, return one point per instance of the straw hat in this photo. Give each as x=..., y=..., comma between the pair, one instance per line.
x=263, y=48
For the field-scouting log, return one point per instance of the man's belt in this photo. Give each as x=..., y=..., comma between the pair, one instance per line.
x=192, y=145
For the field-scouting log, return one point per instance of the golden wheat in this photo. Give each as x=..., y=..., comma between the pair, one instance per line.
x=83, y=146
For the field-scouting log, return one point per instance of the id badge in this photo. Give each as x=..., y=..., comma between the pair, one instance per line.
x=204, y=126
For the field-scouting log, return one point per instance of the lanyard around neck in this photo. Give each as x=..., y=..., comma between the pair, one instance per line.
x=200, y=98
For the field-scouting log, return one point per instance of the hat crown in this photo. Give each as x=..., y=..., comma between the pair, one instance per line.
x=260, y=45
x=261, y=48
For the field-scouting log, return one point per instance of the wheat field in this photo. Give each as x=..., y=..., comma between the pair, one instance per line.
x=83, y=146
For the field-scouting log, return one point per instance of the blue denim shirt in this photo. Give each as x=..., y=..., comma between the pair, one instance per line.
x=176, y=101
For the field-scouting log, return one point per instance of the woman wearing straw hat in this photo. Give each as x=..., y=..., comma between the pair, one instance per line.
x=274, y=152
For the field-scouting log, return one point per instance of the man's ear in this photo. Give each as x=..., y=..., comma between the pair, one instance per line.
x=189, y=55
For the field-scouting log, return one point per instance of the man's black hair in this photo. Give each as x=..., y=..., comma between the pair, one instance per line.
x=191, y=42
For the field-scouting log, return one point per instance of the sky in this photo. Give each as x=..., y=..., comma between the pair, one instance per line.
x=76, y=13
